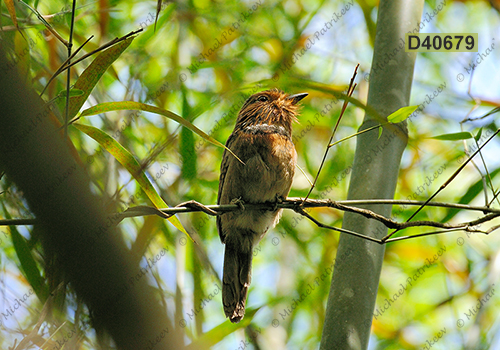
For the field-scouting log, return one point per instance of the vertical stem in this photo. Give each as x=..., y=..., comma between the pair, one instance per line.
x=358, y=264
x=68, y=73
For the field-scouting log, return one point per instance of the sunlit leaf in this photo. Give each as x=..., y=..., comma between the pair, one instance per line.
x=12, y=11
x=472, y=192
x=28, y=263
x=91, y=75
x=22, y=52
x=454, y=136
x=215, y=335
x=478, y=135
x=401, y=114
x=131, y=164
x=131, y=105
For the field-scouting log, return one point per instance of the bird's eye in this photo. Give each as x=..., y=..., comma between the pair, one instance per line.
x=263, y=98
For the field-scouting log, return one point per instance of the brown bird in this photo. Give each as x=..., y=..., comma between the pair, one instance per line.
x=262, y=140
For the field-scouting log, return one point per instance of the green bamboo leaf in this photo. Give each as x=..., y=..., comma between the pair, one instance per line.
x=478, y=135
x=91, y=75
x=454, y=136
x=188, y=154
x=198, y=292
x=131, y=164
x=493, y=111
x=218, y=333
x=61, y=97
x=473, y=191
x=131, y=105
x=401, y=114
x=12, y=12
x=187, y=148
x=149, y=32
x=72, y=93
x=380, y=129
x=29, y=266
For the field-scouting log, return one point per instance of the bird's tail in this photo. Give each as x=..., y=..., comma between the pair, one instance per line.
x=236, y=278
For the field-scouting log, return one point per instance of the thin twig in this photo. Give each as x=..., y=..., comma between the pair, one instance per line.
x=60, y=69
x=350, y=90
x=301, y=211
x=447, y=182
x=46, y=24
x=358, y=133
x=68, y=65
x=488, y=178
x=68, y=75
x=432, y=233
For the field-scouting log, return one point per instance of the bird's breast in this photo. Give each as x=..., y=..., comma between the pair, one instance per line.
x=269, y=168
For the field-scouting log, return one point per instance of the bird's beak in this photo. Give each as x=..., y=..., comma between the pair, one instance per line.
x=297, y=97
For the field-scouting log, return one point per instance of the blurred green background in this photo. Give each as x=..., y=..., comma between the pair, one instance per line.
x=202, y=61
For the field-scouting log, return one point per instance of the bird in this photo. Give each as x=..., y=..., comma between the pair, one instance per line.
x=262, y=173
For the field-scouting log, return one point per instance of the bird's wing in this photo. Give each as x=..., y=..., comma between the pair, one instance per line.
x=227, y=158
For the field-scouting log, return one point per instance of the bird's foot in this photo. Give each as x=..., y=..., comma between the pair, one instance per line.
x=239, y=202
x=278, y=200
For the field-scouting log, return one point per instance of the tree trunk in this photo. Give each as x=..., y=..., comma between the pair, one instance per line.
x=358, y=263
x=74, y=226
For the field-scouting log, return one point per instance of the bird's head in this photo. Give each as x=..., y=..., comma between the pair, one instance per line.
x=271, y=107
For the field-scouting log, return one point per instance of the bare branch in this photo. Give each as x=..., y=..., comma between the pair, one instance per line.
x=298, y=205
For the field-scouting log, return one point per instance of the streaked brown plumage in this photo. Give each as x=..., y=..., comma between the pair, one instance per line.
x=262, y=139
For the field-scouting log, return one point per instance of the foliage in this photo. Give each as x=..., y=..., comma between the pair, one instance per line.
x=202, y=61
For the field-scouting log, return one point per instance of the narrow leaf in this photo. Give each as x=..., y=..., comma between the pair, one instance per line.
x=464, y=135
x=61, y=97
x=91, y=75
x=401, y=114
x=28, y=264
x=131, y=105
x=472, y=192
x=131, y=164
x=22, y=50
x=478, y=135
x=12, y=11
x=150, y=32
x=220, y=332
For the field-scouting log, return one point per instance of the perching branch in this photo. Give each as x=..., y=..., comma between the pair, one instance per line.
x=298, y=205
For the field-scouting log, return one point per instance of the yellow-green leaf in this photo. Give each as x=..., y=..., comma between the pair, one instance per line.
x=131, y=105
x=91, y=75
x=61, y=97
x=401, y=114
x=131, y=164
x=28, y=263
x=12, y=11
x=478, y=135
x=217, y=334
x=23, y=57
x=454, y=136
